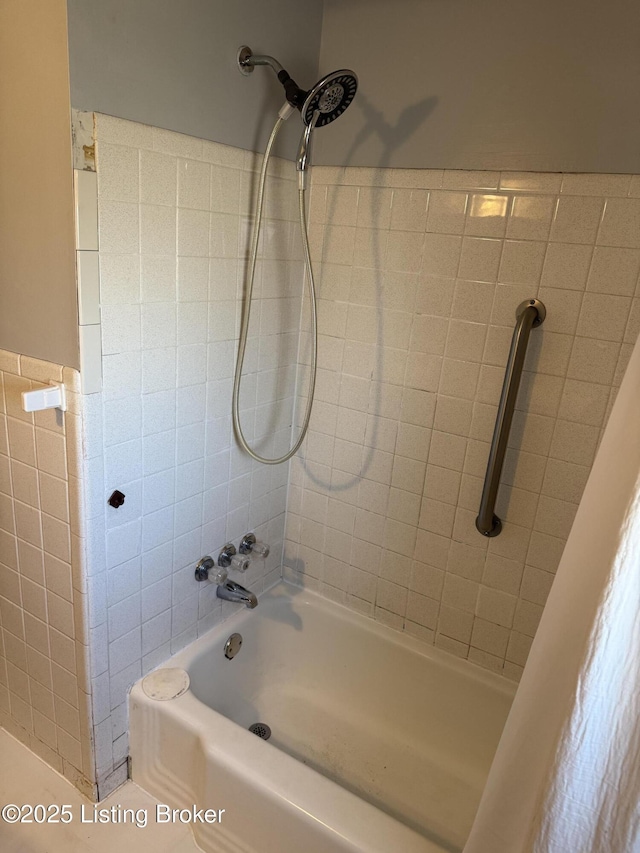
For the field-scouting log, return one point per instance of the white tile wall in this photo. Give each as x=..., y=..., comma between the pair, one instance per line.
x=173, y=231
x=87, y=262
x=422, y=272
x=44, y=687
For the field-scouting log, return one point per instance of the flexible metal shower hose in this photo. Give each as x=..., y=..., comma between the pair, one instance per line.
x=246, y=313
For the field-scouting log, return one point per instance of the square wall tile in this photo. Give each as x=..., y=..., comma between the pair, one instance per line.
x=576, y=219
x=620, y=223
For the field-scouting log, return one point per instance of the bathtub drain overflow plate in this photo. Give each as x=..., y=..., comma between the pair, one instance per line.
x=232, y=646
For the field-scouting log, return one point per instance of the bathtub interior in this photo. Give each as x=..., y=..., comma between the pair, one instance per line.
x=405, y=727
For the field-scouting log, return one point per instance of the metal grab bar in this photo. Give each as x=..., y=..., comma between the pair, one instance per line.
x=529, y=314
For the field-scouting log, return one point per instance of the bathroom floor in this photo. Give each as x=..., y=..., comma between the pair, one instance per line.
x=25, y=779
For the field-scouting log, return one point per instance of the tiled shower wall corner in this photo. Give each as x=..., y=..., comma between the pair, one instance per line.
x=173, y=229
x=44, y=681
x=422, y=272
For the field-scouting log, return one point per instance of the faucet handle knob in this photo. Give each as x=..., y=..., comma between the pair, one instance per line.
x=206, y=571
x=240, y=563
x=228, y=558
x=261, y=549
x=250, y=545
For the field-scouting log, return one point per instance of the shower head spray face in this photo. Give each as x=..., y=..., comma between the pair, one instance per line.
x=330, y=97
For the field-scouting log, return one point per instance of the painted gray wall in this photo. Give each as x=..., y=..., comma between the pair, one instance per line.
x=172, y=63
x=501, y=84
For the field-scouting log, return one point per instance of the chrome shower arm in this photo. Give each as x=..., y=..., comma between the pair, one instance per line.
x=248, y=60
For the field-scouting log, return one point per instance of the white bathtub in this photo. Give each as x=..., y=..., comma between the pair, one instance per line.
x=379, y=743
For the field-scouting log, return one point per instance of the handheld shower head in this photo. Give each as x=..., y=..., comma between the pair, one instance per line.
x=324, y=103
x=303, y=158
x=330, y=97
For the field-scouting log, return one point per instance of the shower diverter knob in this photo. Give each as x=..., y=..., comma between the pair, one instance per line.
x=250, y=545
x=228, y=558
x=240, y=563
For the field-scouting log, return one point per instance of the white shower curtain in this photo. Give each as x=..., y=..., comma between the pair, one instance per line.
x=566, y=777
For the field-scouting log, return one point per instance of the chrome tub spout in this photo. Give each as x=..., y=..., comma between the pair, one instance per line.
x=232, y=591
